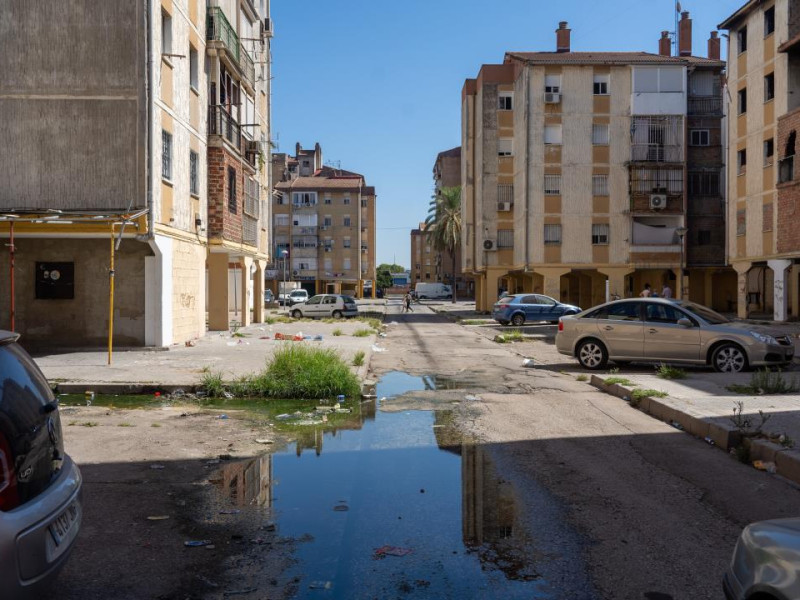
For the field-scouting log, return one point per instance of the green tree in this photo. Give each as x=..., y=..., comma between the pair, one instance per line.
x=384, y=273
x=443, y=224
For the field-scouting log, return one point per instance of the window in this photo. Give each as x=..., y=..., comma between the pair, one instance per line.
x=552, y=185
x=193, y=68
x=327, y=221
x=657, y=79
x=624, y=311
x=699, y=137
x=346, y=221
x=281, y=220
x=742, y=95
x=704, y=183
x=505, y=192
x=552, y=234
x=166, y=33
x=504, y=101
x=704, y=237
x=505, y=238
x=600, y=234
x=741, y=161
x=552, y=134
x=346, y=242
x=232, y=190
x=769, y=87
x=769, y=151
x=552, y=84
x=769, y=21
x=346, y=200
x=600, y=134
x=741, y=221
x=304, y=198
x=194, y=188
x=166, y=155
x=741, y=38
x=600, y=85
x=505, y=147
x=363, y=203
x=327, y=264
x=346, y=264
x=662, y=313
x=599, y=185
x=327, y=198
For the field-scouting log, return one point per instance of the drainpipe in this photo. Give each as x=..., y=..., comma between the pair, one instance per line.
x=149, y=133
x=525, y=166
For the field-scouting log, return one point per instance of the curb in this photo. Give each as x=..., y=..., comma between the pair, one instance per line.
x=786, y=460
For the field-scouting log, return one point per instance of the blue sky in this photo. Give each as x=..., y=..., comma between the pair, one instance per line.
x=378, y=83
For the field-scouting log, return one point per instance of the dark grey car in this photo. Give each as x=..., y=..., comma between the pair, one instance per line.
x=40, y=486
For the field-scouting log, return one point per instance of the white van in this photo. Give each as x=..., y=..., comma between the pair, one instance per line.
x=433, y=290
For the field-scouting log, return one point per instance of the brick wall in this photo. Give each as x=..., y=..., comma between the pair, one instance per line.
x=788, y=234
x=222, y=223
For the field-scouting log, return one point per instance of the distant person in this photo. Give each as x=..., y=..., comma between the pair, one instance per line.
x=407, y=302
x=646, y=292
x=666, y=291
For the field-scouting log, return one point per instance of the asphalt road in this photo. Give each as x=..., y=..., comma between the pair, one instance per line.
x=618, y=504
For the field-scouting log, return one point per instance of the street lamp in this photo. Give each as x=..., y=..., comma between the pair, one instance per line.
x=681, y=233
x=285, y=256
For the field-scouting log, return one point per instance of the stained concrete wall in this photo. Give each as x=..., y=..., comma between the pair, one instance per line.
x=83, y=320
x=73, y=104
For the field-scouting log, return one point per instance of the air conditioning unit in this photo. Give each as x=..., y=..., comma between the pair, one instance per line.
x=328, y=248
x=658, y=201
x=252, y=146
x=266, y=28
x=552, y=97
x=504, y=206
x=295, y=273
x=488, y=245
x=364, y=249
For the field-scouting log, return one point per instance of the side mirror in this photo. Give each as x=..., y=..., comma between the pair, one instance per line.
x=685, y=322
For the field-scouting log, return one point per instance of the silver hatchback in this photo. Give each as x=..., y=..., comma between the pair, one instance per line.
x=668, y=331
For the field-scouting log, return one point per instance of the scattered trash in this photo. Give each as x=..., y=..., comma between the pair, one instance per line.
x=230, y=343
x=197, y=543
x=528, y=362
x=626, y=398
x=339, y=397
x=341, y=508
x=384, y=551
x=471, y=398
x=368, y=396
x=263, y=441
x=223, y=417
x=265, y=337
x=230, y=511
x=298, y=337
x=157, y=394
x=318, y=337
x=709, y=441
x=227, y=396
x=239, y=592
x=213, y=461
x=382, y=335
x=158, y=518
x=767, y=466
x=376, y=348
x=190, y=343
x=89, y=397
x=156, y=466
x=676, y=425
x=320, y=585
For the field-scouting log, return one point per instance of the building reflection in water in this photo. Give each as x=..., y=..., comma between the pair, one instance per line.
x=246, y=482
x=313, y=436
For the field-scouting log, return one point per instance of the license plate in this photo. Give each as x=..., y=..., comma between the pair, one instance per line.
x=65, y=525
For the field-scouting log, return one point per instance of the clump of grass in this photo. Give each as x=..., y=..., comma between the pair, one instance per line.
x=283, y=319
x=89, y=424
x=376, y=324
x=239, y=334
x=765, y=382
x=507, y=338
x=472, y=322
x=668, y=372
x=155, y=424
x=205, y=369
x=212, y=384
x=125, y=425
x=299, y=371
x=337, y=332
x=582, y=378
x=618, y=380
x=613, y=370
x=363, y=332
x=358, y=359
x=637, y=395
x=270, y=320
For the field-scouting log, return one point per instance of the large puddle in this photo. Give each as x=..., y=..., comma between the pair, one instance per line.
x=391, y=508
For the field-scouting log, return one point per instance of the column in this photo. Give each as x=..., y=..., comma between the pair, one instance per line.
x=258, y=291
x=552, y=280
x=616, y=280
x=794, y=290
x=741, y=269
x=158, y=293
x=781, y=291
x=246, y=288
x=218, y=319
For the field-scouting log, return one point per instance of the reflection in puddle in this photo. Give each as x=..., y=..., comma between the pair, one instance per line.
x=245, y=482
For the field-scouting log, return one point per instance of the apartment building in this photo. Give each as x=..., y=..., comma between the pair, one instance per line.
x=587, y=174
x=109, y=177
x=323, y=224
x=763, y=192
x=427, y=264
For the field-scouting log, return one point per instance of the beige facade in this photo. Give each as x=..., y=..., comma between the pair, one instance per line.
x=324, y=219
x=763, y=88
x=574, y=174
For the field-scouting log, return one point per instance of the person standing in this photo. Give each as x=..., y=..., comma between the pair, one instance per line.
x=646, y=293
x=666, y=291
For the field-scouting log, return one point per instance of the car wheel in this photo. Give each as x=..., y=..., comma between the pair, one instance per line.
x=297, y=314
x=517, y=320
x=592, y=355
x=729, y=358
x=337, y=314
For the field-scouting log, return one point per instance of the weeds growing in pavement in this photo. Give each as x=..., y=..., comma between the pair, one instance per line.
x=125, y=425
x=336, y=332
x=618, y=380
x=613, y=370
x=668, y=372
x=155, y=424
x=472, y=322
x=582, y=378
x=747, y=424
x=363, y=332
x=358, y=359
x=765, y=382
x=638, y=395
x=512, y=336
x=212, y=384
x=376, y=324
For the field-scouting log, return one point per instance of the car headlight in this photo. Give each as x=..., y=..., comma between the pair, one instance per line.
x=764, y=339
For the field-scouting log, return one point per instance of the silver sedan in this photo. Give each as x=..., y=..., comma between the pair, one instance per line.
x=668, y=331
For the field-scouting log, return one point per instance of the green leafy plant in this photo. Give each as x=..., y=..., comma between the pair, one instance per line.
x=358, y=359
x=765, y=382
x=89, y=424
x=613, y=370
x=155, y=424
x=667, y=372
x=618, y=380
x=639, y=394
x=746, y=424
x=212, y=384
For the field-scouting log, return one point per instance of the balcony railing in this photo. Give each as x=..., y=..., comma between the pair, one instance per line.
x=218, y=29
x=705, y=105
x=304, y=230
x=656, y=153
x=786, y=169
x=221, y=123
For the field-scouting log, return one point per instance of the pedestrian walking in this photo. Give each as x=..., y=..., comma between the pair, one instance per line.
x=407, y=301
x=646, y=292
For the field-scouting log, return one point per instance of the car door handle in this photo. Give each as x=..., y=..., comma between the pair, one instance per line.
x=608, y=328
x=652, y=330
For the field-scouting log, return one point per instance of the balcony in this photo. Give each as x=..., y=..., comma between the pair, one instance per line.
x=705, y=106
x=249, y=230
x=219, y=30
x=304, y=230
x=786, y=169
x=221, y=123
x=656, y=153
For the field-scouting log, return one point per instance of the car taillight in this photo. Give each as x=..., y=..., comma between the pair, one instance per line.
x=9, y=496
x=560, y=325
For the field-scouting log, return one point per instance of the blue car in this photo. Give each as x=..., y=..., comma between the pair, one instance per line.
x=519, y=308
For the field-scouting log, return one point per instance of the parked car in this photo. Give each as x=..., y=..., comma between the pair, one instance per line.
x=433, y=290
x=519, y=308
x=293, y=297
x=668, y=331
x=765, y=562
x=40, y=486
x=325, y=306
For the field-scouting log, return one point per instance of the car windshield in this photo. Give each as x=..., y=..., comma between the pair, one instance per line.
x=709, y=316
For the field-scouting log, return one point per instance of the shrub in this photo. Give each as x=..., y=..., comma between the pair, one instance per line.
x=668, y=372
x=363, y=333
x=299, y=371
x=767, y=382
x=337, y=332
x=358, y=359
x=746, y=424
x=212, y=384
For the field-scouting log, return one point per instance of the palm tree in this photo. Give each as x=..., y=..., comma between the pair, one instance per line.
x=443, y=224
